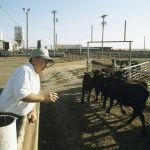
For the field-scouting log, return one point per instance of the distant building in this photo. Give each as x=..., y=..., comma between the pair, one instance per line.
x=1, y=35
x=68, y=46
x=4, y=45
x=40, y=44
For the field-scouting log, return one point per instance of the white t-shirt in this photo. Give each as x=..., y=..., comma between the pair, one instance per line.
x=22, y=82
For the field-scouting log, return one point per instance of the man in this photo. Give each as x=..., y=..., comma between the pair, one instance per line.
x=21, y=92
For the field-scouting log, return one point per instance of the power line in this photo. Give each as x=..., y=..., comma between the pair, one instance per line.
x=10, y=17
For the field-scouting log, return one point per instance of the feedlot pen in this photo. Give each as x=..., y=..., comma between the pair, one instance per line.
x=70, y=125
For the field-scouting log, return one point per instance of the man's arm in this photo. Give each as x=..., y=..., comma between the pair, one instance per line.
x=33, y=98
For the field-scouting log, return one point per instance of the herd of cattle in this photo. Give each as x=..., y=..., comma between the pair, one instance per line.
x=113, y=86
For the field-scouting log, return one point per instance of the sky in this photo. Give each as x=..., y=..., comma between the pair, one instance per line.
x=75, y=18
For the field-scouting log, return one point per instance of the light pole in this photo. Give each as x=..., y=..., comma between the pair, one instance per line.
x=56, y=37
x=125, y=30
x=103, y=24
x=54, y=21
x=26, y=11
x=91, y=32
x=144, y=44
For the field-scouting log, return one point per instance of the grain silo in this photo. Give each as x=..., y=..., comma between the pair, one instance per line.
x=18, y=34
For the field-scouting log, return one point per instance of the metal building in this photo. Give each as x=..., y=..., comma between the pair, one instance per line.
x=18, y=34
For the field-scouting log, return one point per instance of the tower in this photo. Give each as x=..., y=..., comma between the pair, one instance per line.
x=18, y=34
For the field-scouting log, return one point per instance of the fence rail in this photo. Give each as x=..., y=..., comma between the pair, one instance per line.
x=138, y=71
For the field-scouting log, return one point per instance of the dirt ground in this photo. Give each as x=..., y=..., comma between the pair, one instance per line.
x=70, y=125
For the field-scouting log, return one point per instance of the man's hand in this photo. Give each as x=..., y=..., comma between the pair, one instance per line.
x=32, y=117
x=53, y=97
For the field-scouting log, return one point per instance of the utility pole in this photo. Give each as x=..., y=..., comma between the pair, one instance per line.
x=125, y=31
x=54, y=37
x=91, y=32
x=144, y=44
x=26, y=11
x=56, y=43
x=103, y=25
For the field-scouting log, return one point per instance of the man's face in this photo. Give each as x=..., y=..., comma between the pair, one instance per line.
x=40, y=64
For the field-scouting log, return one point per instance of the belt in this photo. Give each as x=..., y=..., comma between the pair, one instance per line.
x=10, y=114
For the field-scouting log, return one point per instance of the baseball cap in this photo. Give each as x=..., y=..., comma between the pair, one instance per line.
x=43, y=53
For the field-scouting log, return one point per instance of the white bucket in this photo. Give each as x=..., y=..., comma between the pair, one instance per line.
x=8, y=135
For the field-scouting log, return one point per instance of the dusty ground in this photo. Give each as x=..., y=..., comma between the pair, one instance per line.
x=70, y=125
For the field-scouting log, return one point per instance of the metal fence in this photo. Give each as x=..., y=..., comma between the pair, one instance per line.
x=138, y=71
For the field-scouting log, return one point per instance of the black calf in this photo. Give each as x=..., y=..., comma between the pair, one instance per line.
x=134, y=95
x=87, y=86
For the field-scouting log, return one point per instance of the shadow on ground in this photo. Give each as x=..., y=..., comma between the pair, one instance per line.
x=70, y=125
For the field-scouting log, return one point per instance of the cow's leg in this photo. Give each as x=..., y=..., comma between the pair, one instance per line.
x=83, y=95
x=132, y=117
x=111, y=104
x=122, y=110
x=89, y=94
x=102, y=96
x=104, y=101
x=96, y=93
x=142, y=119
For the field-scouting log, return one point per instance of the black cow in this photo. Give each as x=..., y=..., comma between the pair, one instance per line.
x=120, y=74
x=128, y=94
x=87, y=86
x=99, y=79
x=95, y=82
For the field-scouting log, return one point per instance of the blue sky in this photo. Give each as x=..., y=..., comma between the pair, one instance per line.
x=75, y=18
